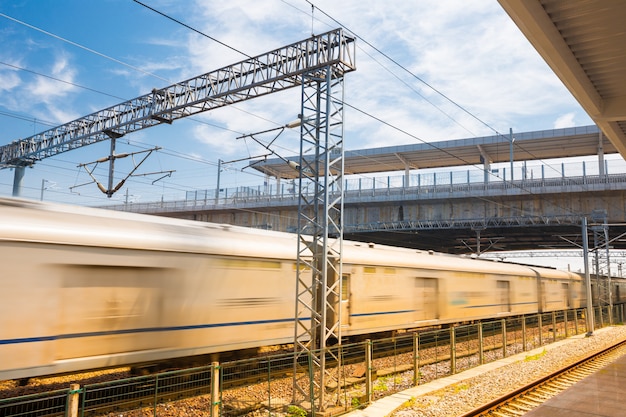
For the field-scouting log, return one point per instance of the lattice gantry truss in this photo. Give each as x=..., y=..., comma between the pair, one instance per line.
x=273, y=71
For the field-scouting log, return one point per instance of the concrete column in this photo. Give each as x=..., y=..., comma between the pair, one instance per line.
x=18, y=176
x=600, y=155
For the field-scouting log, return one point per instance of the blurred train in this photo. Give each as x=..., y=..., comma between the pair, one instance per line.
x=83, y=288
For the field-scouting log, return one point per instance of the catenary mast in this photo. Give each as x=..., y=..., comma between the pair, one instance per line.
x=318, y=65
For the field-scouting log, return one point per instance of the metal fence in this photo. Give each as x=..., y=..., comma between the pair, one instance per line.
x=368, y=371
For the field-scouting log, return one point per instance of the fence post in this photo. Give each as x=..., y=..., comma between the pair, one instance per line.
x=73, y=397
x=540, y=327
x=554, y=326
x=156, y=394
x=215, y=389
x=523, y=333
x=368, y=370
x=481, y=346
x=565, y=313
x=452, y=351
x=504, y=338
x=416, y=355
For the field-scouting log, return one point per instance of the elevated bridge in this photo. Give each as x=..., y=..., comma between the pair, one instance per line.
x=469, y=204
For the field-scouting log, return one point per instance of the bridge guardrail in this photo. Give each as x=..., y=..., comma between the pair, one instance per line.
x=456, y=190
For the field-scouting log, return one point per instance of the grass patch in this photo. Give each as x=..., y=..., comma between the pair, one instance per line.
x=460, y=387
x=535, y=357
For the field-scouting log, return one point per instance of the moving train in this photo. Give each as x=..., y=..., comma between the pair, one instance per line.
x=84, y=288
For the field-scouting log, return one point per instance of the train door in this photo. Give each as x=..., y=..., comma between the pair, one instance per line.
x=345, y=300
x=426, y=300
x=504, y=295
x=567, y=297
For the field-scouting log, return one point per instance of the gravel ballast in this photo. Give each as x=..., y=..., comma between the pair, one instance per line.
x=460, y=393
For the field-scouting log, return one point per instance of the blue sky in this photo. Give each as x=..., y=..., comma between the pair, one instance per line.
x=109, y=51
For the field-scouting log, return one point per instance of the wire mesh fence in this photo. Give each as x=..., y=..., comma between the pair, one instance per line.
x=44, y=404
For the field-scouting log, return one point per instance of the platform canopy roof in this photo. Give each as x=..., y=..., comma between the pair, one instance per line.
x=583, y=41
x=527, y=146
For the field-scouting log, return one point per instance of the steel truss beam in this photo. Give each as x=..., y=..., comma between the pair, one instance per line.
x=264, y=74
x=475, y=223
x=319, y=269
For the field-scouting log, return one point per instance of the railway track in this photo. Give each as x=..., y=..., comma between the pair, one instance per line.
x=530, y=396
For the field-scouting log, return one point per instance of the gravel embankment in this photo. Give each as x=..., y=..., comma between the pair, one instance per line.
x=464, y=396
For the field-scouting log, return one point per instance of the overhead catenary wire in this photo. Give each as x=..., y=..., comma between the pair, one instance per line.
x=399, y=65
x=240, y=51
x=396, y=63
x=421, y=80
x=192, y=28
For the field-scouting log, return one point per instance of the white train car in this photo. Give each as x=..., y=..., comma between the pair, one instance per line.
x=85, y=288
x=393, y=288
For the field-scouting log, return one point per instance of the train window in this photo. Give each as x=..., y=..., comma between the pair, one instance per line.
x=369, y=269
x=345, y=287
x=504, y=295
x=303, y=267
x=248, y=263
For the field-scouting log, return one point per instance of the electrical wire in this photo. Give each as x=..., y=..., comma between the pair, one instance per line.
x=192, y=29
x=60, y=80
x=395, y=62
x=238, y=51
x=124, y=64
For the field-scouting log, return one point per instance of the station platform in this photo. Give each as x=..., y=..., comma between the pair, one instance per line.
x=600, y=394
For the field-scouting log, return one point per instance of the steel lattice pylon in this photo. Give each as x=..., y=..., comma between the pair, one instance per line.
x=320, y=232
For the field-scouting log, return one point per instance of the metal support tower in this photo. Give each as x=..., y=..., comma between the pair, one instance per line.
x=318, y=65
x=601, y=243
x=320, y=233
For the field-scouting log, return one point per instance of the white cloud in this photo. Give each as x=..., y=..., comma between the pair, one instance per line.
x=566, y=120
x=47, y=90
x=9, y=80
